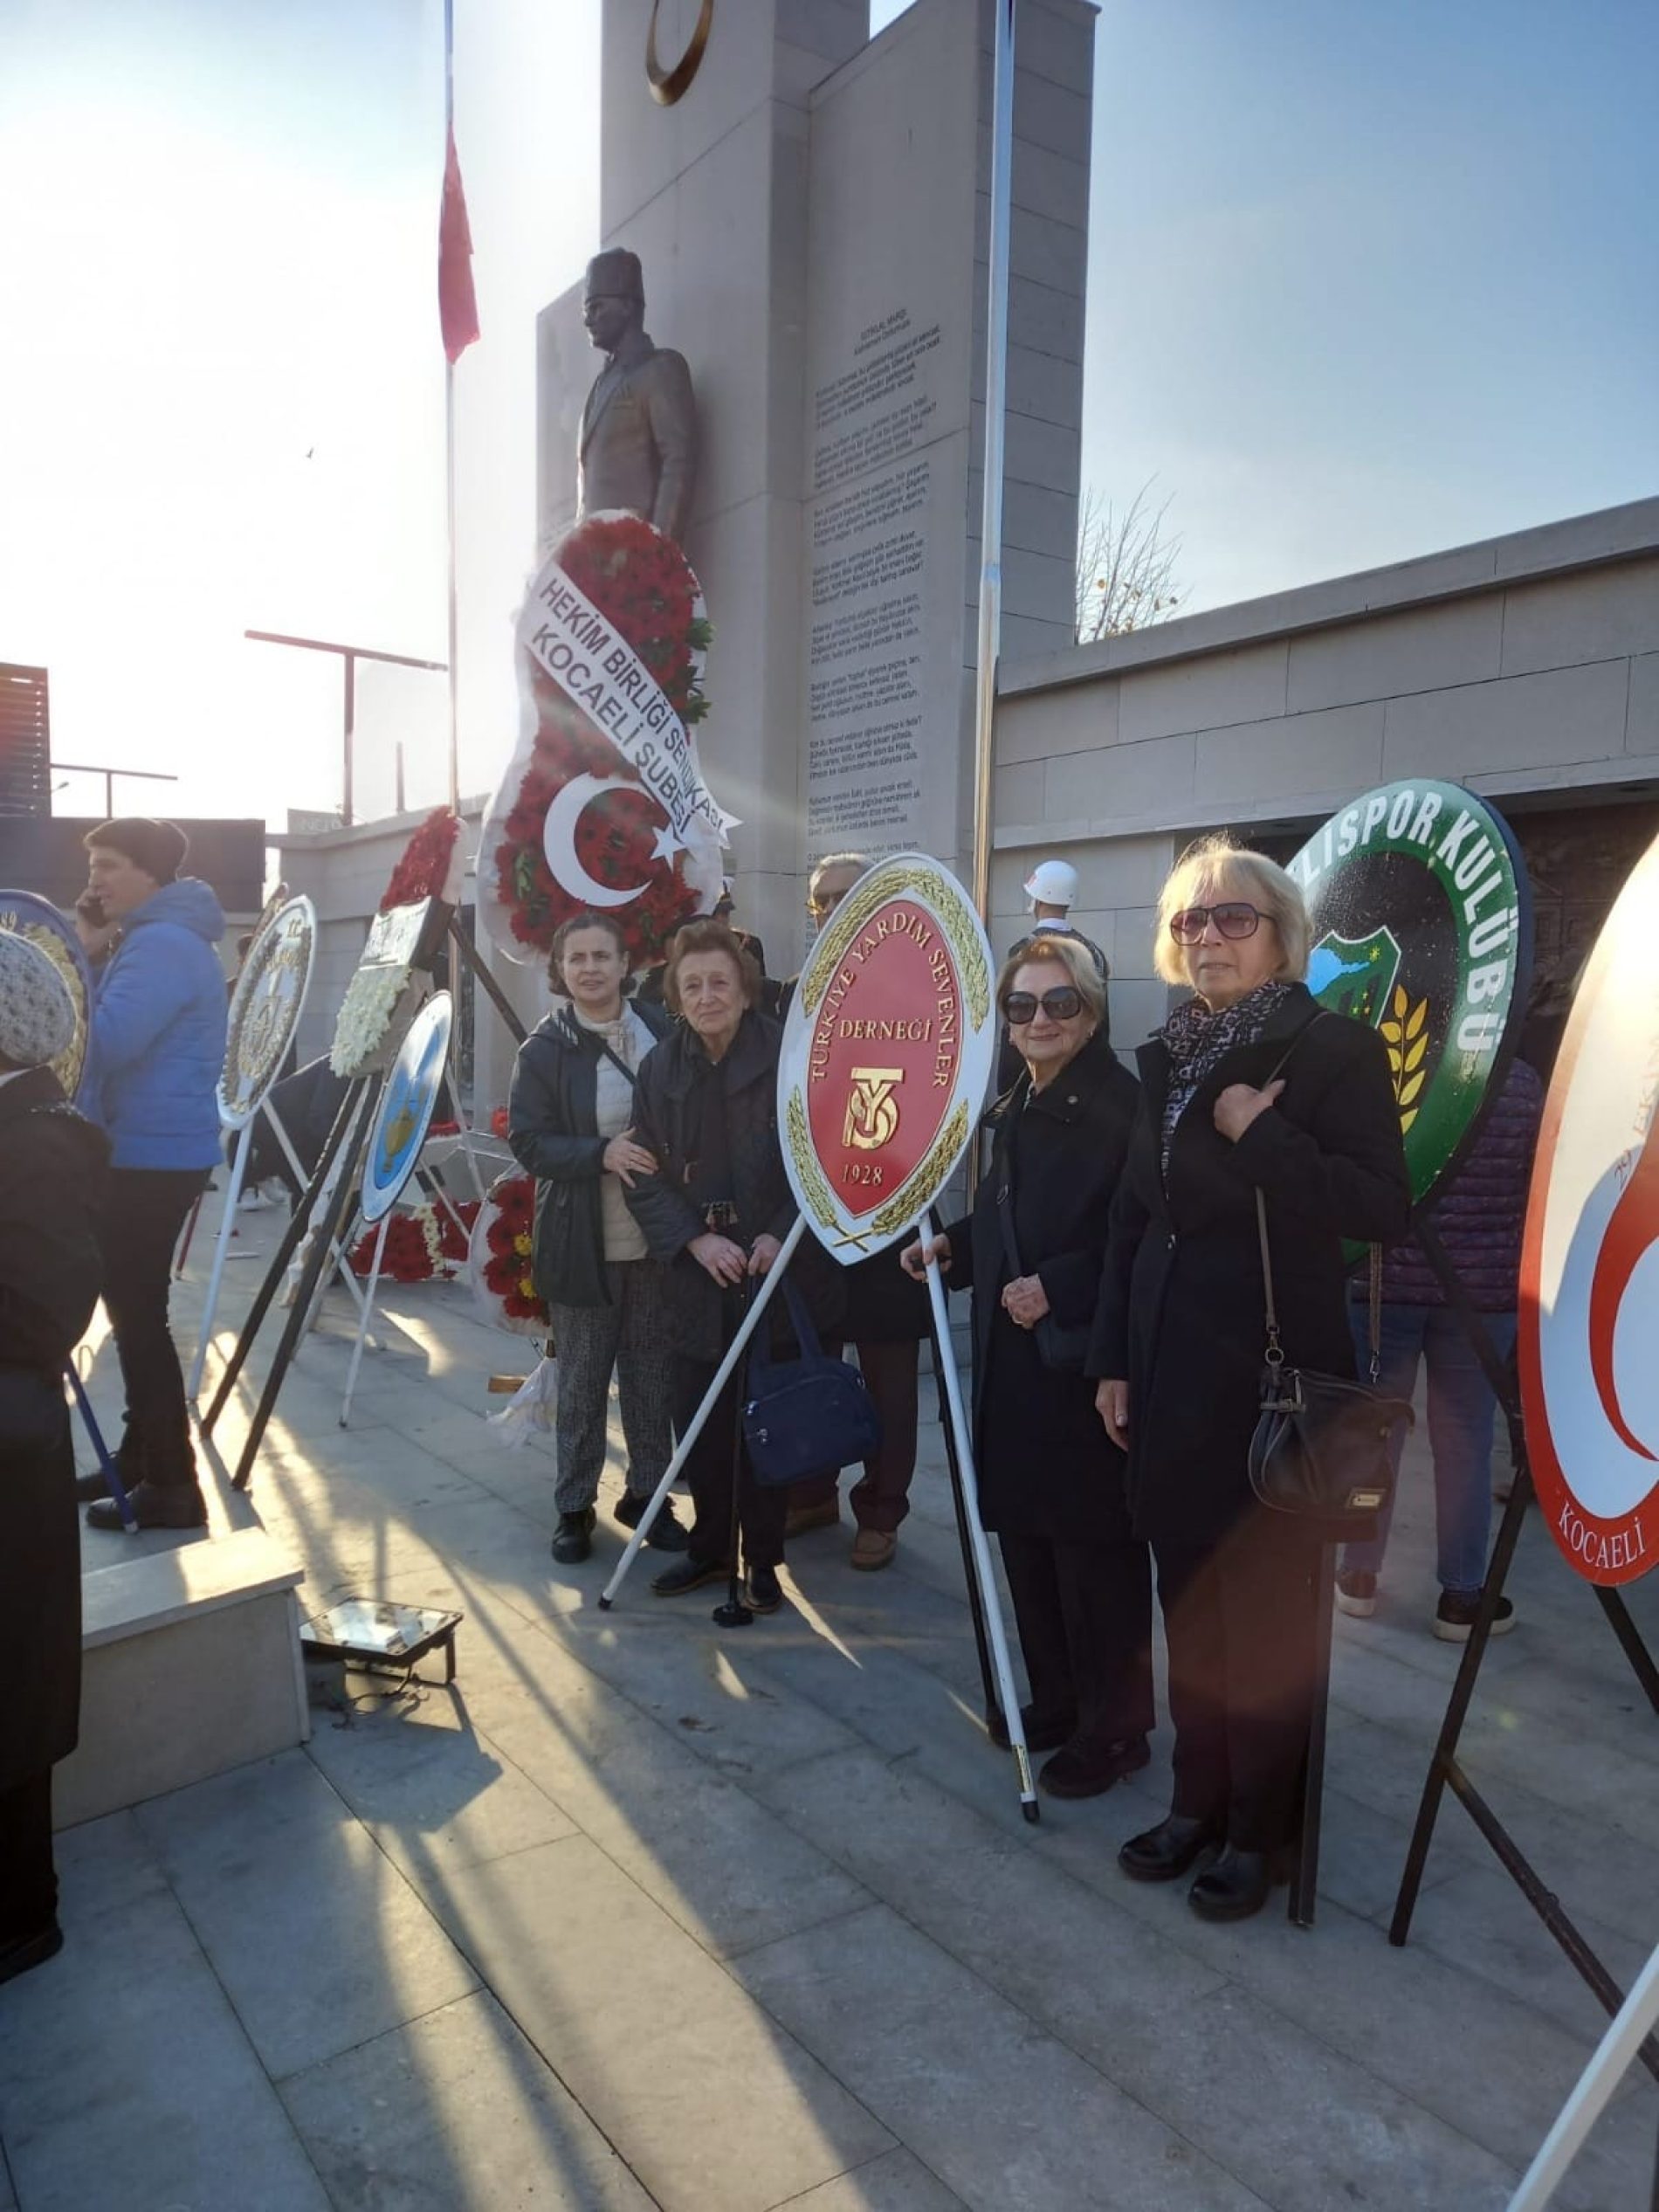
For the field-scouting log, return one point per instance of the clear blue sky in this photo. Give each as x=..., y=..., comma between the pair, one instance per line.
x=1363, y=282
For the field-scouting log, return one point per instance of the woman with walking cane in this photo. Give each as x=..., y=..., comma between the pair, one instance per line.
x=52, y=1166
x=570, y=1124
x=715, y=1211
x=1050, y=1485
x=1247, y=1087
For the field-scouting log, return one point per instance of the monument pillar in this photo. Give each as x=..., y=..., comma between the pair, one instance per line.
x=811, y=215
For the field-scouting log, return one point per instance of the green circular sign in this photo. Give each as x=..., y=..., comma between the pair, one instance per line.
x=1422, y=928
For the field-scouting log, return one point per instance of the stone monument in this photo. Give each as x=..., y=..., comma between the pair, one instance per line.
x=638, y=445
x=812, y=210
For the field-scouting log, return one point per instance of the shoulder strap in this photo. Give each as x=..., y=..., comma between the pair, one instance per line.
x=1004, y=1200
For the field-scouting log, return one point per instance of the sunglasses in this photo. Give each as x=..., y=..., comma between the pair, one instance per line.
x=1234, y=920
x=1062, y=1004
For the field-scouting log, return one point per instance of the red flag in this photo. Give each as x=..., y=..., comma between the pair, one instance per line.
x=458, y=307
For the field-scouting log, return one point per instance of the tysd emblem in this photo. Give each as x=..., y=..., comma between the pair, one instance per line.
x=1590, y=1264
x=887, y=1054
x=1422, y=929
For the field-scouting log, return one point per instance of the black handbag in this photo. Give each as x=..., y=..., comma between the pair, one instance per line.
x=1061, y=1347
x=803, y=1416
x=1321, y=1446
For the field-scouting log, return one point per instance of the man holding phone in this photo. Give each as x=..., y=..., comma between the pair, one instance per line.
x=156, y=1052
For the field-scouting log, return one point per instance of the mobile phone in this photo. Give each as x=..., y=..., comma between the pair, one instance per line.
x=90, y=907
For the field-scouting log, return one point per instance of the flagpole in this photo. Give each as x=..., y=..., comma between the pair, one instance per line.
x=449, y=452
x=996, y=340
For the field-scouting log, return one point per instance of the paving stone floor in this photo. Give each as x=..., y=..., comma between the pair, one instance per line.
x=645, y=1913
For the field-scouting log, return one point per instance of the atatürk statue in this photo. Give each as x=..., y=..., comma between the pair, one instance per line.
x=639, y=446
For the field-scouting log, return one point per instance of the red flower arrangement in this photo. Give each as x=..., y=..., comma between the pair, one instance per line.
x=499, y=1122
x=507, y=1273
x=424, y=870
x=420, y=1245
x=640, y=581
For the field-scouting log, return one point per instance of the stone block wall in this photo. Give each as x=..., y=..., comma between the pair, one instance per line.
x=1527, y=667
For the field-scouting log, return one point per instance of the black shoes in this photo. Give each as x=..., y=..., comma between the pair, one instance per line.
x=155, y=1505
x=1237, y=1883
x=1087, y=1770
x=762, y=1590
x=1164, y=1853
x=666, y=1533
x=1040, y=1734
x=573, y=1538
x=25, y=1952
x=689, y=1574
x=1453, y=1621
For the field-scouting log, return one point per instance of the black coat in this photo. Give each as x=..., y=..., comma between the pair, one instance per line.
x=553, y=1128
x=1045, y=1465
x=1182, y=1314
x=51, y=1180
x=666, y=1122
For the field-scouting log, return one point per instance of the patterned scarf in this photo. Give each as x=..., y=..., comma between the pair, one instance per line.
x=1198, y=1041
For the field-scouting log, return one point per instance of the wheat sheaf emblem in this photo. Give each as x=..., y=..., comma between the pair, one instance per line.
x=1406, y=1035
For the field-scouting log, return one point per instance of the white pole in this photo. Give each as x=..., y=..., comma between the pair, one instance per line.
x=694, y=1428
x=367, y=1314
x=981, y=1550
x=1628, y=2030
x=222, y=1246
x=449, y=454
x=996, y=348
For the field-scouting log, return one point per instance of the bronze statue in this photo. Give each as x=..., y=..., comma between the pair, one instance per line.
x=638, y=444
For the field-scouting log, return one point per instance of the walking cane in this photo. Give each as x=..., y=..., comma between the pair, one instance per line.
x=993, y=1712
x=734, y=1614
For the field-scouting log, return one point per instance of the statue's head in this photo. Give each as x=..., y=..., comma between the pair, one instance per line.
x=613, y=298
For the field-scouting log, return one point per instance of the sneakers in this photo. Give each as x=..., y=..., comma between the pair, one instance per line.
x=666, y=1533
x=762, y=1590
x=1357, y=1594
x=1454, y=1618
x=689, y=1574
x=155, y=1505
x=873, y=1548
x=573, y=1538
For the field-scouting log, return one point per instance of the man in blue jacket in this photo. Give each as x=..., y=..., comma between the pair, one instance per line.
x=157, y=1050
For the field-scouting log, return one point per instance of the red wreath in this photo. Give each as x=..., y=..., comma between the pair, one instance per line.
x=642, y=582
x=425, y=868
x=408, y=1256
x=507, y=1273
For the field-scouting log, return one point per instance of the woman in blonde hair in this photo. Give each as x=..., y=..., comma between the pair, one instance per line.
x=1050, y=1485
x=1247, y=1086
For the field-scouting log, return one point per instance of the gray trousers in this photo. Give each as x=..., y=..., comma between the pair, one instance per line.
x=588, y=1342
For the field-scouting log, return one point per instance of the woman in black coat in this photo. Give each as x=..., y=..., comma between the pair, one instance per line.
x=1248, y=1085
x=716, y=1210
x=1050, y=1485
x=52, y=1176
x=570, y=1124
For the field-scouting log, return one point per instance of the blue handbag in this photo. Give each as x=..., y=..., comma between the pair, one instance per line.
x=803, y=1416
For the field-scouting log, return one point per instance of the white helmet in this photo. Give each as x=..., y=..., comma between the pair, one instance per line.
x=1052, y=883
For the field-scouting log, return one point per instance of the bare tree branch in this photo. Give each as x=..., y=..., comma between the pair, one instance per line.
x=1126, y=566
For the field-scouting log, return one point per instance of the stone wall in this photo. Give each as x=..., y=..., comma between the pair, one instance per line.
x=1526, y=666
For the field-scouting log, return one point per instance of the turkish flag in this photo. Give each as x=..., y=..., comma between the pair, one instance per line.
x=458, y=307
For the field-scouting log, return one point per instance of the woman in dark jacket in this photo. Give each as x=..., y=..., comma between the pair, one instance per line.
x=716, y=1210
x=52, y=1182
x=570, y=1123
x=1247, y=1086
x=1050, y=1485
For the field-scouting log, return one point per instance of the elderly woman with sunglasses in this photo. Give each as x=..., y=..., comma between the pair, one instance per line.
x=1247, y=1086
x=1051, y=1487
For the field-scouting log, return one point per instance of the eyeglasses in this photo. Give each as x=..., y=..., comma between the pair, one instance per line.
x=1062, y=1004
x=1234, y=920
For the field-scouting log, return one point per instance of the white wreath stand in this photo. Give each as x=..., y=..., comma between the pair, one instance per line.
x=1629, y=2029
